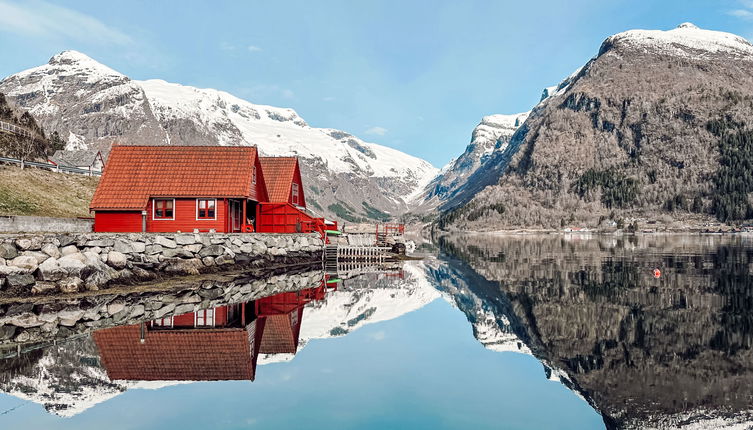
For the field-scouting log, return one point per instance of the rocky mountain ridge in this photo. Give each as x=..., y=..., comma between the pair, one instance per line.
x=642, y=132
x=93, y=106
x=490, y=137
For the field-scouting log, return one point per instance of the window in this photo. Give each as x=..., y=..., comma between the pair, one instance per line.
x=205, y=209
x=163, y=322
x=253, y=176
x=163, y=209
x=204, y=318
x=294, y=193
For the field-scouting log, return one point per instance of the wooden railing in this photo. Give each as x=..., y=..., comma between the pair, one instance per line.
x=50, y=166
x=11, y=128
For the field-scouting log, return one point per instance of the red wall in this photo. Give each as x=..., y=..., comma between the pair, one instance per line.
x=185, y=218
x=117, y=221
x=187, y=320
x=259, y=192
x=282, y=218
x=301, y=197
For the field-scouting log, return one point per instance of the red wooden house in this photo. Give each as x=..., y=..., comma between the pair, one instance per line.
x=284, y=183
x=285, y=212
x=179, y=188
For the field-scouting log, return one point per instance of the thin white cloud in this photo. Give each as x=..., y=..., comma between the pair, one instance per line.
x=42, y=19
x=747, y=3
x=741, y=13
x=253, y=48
x=376, y=130
x=288, y=94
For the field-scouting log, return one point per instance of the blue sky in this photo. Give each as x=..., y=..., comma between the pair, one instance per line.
x=414, y=75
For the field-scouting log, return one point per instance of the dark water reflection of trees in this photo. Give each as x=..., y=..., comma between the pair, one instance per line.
x=645, y=351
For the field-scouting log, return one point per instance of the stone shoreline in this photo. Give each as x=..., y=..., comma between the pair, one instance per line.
x=70, y=263
x=30, y=323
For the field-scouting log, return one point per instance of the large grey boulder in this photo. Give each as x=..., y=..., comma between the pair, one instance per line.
x=102, y=243
x=68, y=250
x=8, y=251
x=72, y=264
x=212, y=251
x=123, y=247
x=177, y=252
x=50, y=270
x=165, y=242
x=97, y=280
x=29, y=243
x=11, y=270
x=193, y=248
x=24, y=320
x=25, y=262
x=185, y=239
x=39, y=256
x=117, y=259
x=20, y=280
x=51, y=250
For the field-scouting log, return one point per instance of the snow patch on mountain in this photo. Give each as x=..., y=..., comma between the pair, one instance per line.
x=95, y=106
x=686, y=40
x=490, y=136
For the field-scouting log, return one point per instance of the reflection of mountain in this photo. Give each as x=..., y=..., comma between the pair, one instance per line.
x=66, y=378
x=363, y=300
x=74, y=375
x=668, y=352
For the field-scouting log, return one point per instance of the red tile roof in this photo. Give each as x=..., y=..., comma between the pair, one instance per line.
x=178, y=355
x=133, y=174
x=280, y=335
x=278, y=175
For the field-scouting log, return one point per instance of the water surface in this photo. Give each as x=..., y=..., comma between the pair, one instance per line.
x=520, y=332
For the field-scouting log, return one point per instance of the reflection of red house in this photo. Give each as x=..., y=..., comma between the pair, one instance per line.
x=190, y=347
x=212, y=344
x=282, y=315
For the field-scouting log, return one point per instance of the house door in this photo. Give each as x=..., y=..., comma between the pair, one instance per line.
x=236, y=213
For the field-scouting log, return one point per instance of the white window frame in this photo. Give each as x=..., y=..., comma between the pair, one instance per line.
x=154, y=209
x=206, y=219
x=207, y=314
x=295, y=193
x=161, y=322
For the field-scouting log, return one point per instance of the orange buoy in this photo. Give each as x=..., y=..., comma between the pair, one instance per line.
x=657, y=273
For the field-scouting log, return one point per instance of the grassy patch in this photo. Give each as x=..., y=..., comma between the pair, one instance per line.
x=375, y=213
x=315, y=204
x=42, y=193
x=342, y=210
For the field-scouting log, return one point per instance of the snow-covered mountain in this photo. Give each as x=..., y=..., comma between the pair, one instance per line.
x=93, y=105
x=489, y=137
x=640, y=112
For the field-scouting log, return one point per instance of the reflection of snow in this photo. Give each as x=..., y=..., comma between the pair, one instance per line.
x=379, y=298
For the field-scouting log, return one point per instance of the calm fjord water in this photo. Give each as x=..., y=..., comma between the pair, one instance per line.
x=518, y=332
